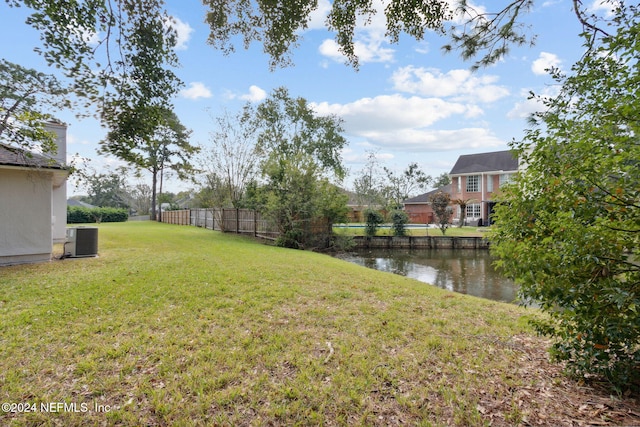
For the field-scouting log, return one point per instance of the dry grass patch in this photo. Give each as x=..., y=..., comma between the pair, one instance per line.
x=182, y=326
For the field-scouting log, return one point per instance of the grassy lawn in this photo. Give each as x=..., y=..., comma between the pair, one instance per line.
x=176, y=325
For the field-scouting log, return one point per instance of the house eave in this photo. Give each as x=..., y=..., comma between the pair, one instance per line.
x=34, y=168
x=491, y=172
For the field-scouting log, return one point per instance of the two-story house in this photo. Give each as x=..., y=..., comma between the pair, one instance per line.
x=477, y=177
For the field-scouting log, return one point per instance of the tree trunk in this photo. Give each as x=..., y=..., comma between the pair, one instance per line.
x=463, y=215
x=154, y=198
x=160, y=193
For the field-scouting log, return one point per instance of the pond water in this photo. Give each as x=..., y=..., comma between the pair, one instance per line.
x=460, y=270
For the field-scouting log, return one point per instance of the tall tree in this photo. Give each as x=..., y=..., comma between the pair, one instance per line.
x=440, y=203
x=401, y=186
x=117, y=54
x=300, y=151
x=27, y=98
x=441, y=180
x=463, y=203
x=229, y=162
x=107, y=189
x=569, y=228
x=165, y=146
x=369, y=183
x=141, y=198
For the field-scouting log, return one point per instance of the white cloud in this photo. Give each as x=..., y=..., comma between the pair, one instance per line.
x=460, y=18
x=390, y=112
x=90, y=37
x=370, y=40
x=525, y=108
x=318, y=17
x=603, y=7
x=196, y=90
x=401, y=123
x=255, y=94
x=366, y=51
x=370, y=43
x=458, y=84
x=183, y=31
x=428, y=140
x=361, y=157
x=422, y=47
x=544, y=62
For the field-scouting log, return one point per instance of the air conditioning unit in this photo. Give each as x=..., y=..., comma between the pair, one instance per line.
x=81, y=242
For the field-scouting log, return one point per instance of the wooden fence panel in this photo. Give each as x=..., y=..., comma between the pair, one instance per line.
x=246, y=219
x=229, y=220
x=182, y=217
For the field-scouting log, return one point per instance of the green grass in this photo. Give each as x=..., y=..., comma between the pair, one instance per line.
x=176, y=325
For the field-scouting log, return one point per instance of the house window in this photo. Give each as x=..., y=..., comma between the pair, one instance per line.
x=459, y=184
x=489, y=183
x=473, y=210
x=505, y=178
x=473, y=183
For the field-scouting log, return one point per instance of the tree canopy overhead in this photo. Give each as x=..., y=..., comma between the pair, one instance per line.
x=96, y=43
x=277, y=25
x=26, y=96
x=84, y=35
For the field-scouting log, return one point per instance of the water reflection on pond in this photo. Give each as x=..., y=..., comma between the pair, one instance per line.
x=460, y=270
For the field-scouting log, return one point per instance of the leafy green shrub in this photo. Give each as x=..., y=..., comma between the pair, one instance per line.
x=82, y=215
x=440, y=203
x=568, y=229
x=342, y=242
x=400, y=219
x=373, y=220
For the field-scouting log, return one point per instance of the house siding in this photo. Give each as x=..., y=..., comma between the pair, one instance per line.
x=485, y=170
x=487, y=181
x=25, y=212
x=33, y=212
x=419, y=213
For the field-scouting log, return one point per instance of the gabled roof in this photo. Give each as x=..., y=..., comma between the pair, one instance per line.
x=424, y=198
x=75, y=202
x=486, y=162
x=14, y=156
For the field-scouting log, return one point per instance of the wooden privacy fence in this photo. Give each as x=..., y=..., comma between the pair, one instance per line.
x=176, y=217
x=230, y=220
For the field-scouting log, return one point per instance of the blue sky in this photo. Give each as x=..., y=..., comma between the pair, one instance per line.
x=408, y=102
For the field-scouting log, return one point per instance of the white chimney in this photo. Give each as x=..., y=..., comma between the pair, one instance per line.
x=59, y=183
x=60, y=129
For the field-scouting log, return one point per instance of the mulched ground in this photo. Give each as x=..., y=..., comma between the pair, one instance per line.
x=553, y=399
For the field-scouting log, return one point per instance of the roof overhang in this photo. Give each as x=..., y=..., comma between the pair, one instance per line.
x=60, y=175
x=496, y=172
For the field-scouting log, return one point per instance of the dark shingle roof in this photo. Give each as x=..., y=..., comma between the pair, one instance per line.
x=74, y=202
x=424, y=198
x=14, y=156
x=486, y=162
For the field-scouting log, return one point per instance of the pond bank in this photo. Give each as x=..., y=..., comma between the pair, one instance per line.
x=421, y=242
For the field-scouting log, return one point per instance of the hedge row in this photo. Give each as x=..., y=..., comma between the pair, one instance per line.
x=80, y=215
